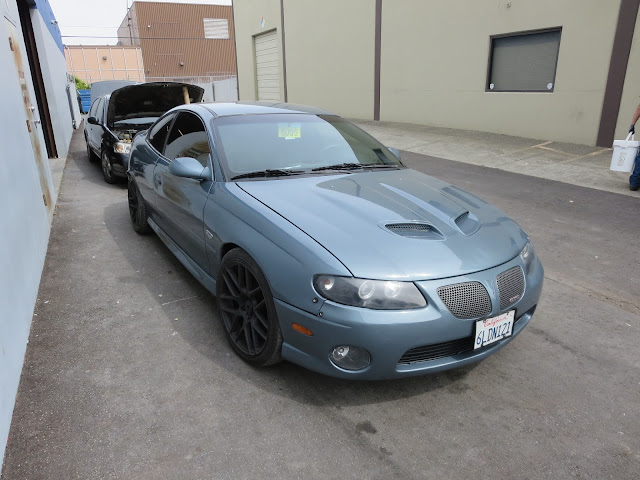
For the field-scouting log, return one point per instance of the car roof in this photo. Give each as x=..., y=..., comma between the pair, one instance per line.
x=255, y=108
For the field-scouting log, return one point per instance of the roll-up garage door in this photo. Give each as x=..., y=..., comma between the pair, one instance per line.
x=267, y=66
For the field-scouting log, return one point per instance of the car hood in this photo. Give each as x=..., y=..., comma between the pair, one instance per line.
x=149, y=100
x=398, y=224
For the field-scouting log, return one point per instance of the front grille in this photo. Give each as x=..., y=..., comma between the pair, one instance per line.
x=510, y=286
x=445, y=349
x=439, y=350
x=466, y=300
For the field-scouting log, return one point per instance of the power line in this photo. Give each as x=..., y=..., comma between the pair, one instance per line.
x=127, y=37
x=84, y=26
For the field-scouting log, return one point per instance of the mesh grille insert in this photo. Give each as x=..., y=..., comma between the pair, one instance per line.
x=415, y=230
x=409, y=226
x=510, y=286
x=466, y=300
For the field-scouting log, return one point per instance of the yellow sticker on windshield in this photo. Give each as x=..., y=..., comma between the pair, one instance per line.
x=289, y=130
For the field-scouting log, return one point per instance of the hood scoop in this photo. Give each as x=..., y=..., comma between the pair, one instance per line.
x=415, y=230
x=467, y=223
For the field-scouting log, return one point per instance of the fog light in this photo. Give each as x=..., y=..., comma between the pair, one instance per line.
x=350, y=357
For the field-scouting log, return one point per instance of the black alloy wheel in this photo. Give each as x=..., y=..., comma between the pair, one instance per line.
x=137, y=209
x=247, y=311
x=107, y=169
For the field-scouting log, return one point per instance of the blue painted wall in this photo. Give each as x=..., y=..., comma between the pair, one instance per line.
x=50, y=21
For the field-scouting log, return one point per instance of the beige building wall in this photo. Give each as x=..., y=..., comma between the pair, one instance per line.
x=251, y=18
x=435, y=59
x=631, y=90
x=329, y=51
x=330, y=48
x=97, y=63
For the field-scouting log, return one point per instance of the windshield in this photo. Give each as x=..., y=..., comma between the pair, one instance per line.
x=299, y=143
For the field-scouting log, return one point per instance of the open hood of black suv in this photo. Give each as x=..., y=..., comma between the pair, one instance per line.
x=149, y=100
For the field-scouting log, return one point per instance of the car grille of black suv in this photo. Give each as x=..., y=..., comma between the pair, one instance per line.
x=466, y=300
x=510, y=286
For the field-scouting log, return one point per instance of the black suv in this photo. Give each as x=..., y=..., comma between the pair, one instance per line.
x=116, y=118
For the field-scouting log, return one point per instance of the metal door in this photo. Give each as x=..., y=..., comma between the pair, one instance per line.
x=33, y=122
x=267, y=66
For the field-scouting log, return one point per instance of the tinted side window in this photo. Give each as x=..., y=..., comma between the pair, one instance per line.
x=159, y=131
x=94, y=107
x=100, y=109
x=188, y=138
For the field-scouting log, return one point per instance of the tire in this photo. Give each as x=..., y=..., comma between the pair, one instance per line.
x=137, y=209
x=247, y=311
x=107, y=169
x=90, y=155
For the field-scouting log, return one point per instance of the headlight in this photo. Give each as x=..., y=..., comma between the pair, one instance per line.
x=375, y=294
x=528, y=256
x=122, y=147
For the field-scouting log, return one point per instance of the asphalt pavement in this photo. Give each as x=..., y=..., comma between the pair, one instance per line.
x=128, y=374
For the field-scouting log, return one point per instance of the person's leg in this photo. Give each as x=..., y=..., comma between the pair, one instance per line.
x=634, y=179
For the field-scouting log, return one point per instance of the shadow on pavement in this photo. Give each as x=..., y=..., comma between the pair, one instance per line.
x=194, y=316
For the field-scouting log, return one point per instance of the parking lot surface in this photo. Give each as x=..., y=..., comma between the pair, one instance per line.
x=128, y=373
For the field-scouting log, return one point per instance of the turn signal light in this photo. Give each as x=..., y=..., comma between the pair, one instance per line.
x=303, y=330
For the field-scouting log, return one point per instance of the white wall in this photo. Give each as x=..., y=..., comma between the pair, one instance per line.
x=75, y=114
x=54, y=73
x=24, y=219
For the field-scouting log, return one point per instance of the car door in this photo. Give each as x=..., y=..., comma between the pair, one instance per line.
x=180, y=201
x=95, y=134
x=144, y=156
x=89, y=127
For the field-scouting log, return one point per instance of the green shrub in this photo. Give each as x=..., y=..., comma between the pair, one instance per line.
x=82, y=85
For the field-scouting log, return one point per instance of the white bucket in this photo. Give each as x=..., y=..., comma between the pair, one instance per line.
x=624, y=154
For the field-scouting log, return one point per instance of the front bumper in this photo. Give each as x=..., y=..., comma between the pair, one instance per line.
x=388, y=335
x=119, y=163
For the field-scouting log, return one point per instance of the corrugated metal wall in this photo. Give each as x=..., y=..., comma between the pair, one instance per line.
x=174, y=44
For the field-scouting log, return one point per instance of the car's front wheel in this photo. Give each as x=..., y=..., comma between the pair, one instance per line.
x=107, y=168
x=247, y=311
x=137, y=209
x=90, y=155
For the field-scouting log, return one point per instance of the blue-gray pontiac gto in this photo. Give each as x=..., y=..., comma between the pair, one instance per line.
x=323, y=249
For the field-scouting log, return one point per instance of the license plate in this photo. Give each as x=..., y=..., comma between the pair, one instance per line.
x=493, y=329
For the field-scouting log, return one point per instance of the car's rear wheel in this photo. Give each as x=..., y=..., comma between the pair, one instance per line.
x=107, y=169
x=247, y=311
x=137, y=209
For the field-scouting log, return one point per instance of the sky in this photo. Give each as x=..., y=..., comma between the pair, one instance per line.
x=84, y=22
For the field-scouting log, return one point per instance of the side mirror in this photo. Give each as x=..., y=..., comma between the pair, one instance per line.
x=93, y=121
x=188, y=167
x=395, y=151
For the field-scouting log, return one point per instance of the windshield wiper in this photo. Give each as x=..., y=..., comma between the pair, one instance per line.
x=380, y=165
x=339, y=166
x=268, y=173
x=354, y=166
